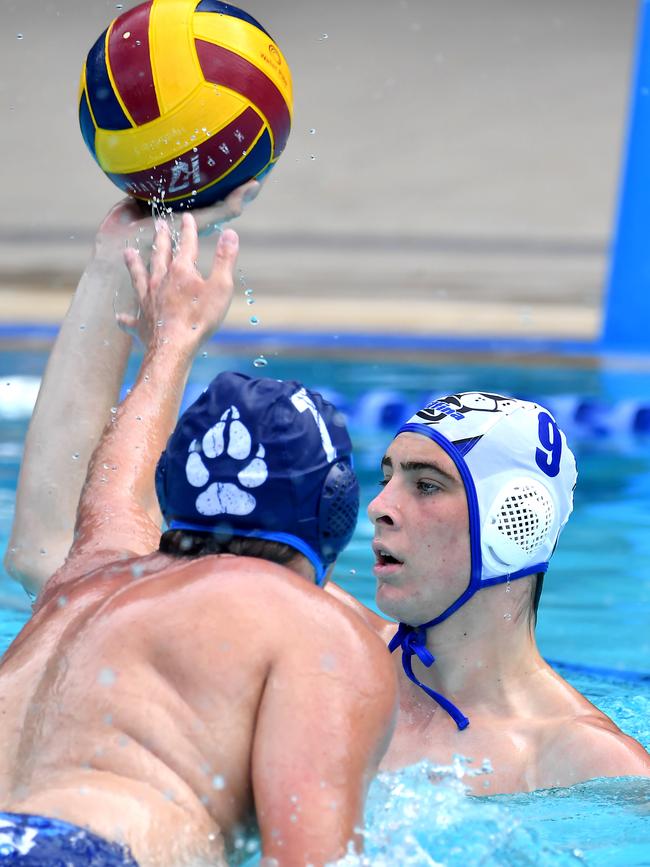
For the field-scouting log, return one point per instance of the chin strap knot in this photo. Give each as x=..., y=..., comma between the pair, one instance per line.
x=413, y=641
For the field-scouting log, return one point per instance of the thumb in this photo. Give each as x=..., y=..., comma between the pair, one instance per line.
x=226, y=253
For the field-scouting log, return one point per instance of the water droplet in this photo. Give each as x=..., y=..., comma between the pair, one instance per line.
x=137, y=42
x=113, y=410
x=218, y=782
x=126, y=34
x=312, y=156
x=507, y=616
x=246, y=291
x=250, y=301
x=204, y=355
x=43, y=552
x=75, y=456
x=312, y=131
x=353, y=571
x=107, y=677
x=260, y=361
x=19, y=36
x=254, y=320
x=323, y=36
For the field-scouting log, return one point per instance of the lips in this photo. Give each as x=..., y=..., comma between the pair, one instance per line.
x=386, y=561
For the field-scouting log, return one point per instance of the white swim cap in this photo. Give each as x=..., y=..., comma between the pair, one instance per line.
x=519, y=475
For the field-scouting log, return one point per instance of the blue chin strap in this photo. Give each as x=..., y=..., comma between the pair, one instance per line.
x=413, y=639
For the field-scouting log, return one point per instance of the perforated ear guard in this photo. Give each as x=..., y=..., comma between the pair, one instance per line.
x=517, y=524
x=338, y=510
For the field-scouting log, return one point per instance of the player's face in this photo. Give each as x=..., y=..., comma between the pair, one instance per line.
x=421, y=542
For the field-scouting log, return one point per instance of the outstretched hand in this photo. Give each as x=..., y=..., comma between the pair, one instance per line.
x=176, y=301
x=128, y=223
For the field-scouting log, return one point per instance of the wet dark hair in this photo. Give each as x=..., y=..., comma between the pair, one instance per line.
x=192, y=543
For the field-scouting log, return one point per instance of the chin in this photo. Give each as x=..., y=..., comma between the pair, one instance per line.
x=392, y=602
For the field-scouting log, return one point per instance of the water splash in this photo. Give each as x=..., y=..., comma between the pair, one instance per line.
x=422, y=816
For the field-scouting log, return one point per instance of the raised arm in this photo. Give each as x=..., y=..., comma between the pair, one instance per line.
x=80, y=386
x=180, y=309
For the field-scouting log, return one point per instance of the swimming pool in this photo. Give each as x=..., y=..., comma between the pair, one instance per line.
x=593, y=616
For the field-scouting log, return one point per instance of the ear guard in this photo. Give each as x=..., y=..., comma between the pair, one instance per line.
x=338, y=510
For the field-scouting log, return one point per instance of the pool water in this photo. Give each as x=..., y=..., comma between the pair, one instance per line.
x=594, y=614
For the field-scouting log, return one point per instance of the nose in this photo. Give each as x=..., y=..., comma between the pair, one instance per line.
x=383, y=509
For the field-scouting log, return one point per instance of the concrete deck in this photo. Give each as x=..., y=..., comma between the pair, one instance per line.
x=461, y=179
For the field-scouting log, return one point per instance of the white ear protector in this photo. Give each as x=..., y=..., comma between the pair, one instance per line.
x=517, y=524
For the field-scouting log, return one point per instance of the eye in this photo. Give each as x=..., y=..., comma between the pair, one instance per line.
x=383, y=482
x=425, y=486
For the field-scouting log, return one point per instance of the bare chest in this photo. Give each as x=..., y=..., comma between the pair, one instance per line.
x=492, y=755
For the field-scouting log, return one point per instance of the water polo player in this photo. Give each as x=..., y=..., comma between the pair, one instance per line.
x=476, y=490
x=161, y=700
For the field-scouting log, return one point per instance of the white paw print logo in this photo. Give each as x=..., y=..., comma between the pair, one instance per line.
x=228, y=436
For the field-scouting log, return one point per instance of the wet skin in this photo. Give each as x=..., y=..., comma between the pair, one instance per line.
x=421, y=520
x=154, y=699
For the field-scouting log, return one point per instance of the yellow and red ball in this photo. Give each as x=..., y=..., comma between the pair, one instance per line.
x=180, y=101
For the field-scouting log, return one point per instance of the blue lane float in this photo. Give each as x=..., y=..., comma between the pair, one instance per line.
x=385, y=409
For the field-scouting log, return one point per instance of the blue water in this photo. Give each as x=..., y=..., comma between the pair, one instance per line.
x=593, y=618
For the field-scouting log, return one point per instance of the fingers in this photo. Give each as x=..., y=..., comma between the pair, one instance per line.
x=162, y=251
x=210, y=219
x=188, y=248
x=225, y=256
x=137, y=270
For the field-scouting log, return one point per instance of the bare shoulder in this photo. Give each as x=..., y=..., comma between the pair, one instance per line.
x=341, y=643
x=382, y=627
x=591, y=745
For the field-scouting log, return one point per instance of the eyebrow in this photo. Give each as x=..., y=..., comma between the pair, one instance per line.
x=414, y=466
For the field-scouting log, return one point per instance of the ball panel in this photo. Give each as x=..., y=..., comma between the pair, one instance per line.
x=233, y=11
x=227, y=69
x=170, y=36
x=104, y=104
x=199, y=166
x=167, y=137
x=86, y=123
x=130, y=65
x=257, y=163
x=246, y=41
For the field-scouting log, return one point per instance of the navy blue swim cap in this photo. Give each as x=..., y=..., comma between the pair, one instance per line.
x=264, y=458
